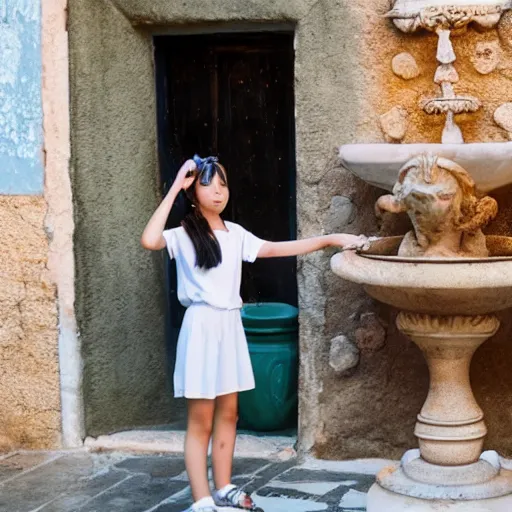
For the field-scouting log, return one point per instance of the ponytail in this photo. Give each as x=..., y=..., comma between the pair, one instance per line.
x=206, y=245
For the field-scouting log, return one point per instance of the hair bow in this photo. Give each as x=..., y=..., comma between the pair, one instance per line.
x=206, y=167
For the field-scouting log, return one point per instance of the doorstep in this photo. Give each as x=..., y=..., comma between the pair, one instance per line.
x=172, y=442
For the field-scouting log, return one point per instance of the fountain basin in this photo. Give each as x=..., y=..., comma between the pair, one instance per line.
x=488, y=163
x=435, y=286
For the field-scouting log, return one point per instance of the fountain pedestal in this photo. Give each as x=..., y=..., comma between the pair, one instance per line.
x=450, y=427
x=449, y=464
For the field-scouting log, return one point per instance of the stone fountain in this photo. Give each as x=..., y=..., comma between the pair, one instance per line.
x=446, y=278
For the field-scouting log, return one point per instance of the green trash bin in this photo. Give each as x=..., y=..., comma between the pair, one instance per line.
x=272, y=334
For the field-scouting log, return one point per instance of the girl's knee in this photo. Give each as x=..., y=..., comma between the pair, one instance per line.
x=227, y=412
x=200, y=427
x=200, y=421
x=229, y=416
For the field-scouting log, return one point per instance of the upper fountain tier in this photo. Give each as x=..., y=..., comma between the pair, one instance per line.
x=489, y=164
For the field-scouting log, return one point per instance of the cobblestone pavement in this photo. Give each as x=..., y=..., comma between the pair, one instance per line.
x=115, y=482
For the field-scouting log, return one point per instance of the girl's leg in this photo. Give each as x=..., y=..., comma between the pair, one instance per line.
x=199, y=430
x=224, y=435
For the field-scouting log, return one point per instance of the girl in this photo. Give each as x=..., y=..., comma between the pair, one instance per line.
x=212, y=362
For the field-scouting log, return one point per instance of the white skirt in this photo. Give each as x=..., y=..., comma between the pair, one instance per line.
x=212, y=357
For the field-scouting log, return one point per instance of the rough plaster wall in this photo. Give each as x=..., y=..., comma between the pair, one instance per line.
x=120, y=297
x=343, y=83
x=330, y=105
x=29, y=375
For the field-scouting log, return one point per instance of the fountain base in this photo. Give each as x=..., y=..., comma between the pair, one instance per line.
x=380, y=499
x=415, y=478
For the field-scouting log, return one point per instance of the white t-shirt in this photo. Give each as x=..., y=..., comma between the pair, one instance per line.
x=220, y=286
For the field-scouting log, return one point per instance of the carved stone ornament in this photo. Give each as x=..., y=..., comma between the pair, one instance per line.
x=420, y=323
x=443, y=17
x=457, y=105
x=486, y=56
x=411, y=15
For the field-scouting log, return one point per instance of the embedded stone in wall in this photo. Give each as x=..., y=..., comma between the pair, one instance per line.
x=486, y=56
x=394, y=124
x=503, y=118
x=505, y=30
x=344, y=355
x=341, y=213
x=371, y=336
x=404, y=65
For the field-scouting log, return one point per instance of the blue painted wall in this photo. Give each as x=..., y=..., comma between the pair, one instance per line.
x=21, y=118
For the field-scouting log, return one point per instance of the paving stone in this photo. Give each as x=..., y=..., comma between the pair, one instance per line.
x=83, y=482
x=335, y=492
x=19, y=462
x=85, y=491
x=137, y=493
x=362, y=482
x=285, y=493
x=261, y=479
x=177, y=502
x=45, y=483
x=354, y=500
x=276, y=504
x=335, y=497
x=156, y=466
x=172, y=507
x=313, y=488
x=244, y=467
x=273, y=470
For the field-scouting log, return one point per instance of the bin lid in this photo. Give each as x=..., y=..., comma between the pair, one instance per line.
x=269, y=317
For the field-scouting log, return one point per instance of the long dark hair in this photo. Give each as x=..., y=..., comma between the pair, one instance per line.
x=206, y=245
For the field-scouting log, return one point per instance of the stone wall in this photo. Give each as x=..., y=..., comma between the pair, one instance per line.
x=344, y=83
x=29, y=373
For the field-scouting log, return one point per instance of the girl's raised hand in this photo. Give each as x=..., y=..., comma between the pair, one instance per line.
x=186, y=175
x=346, y=241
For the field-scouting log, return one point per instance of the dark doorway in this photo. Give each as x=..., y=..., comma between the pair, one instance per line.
x=232, y=95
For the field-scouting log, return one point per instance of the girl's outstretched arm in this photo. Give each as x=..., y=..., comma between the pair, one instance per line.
x=308, y=245
x=152, y=237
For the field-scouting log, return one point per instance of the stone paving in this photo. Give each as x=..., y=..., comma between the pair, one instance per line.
x=120, y=482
